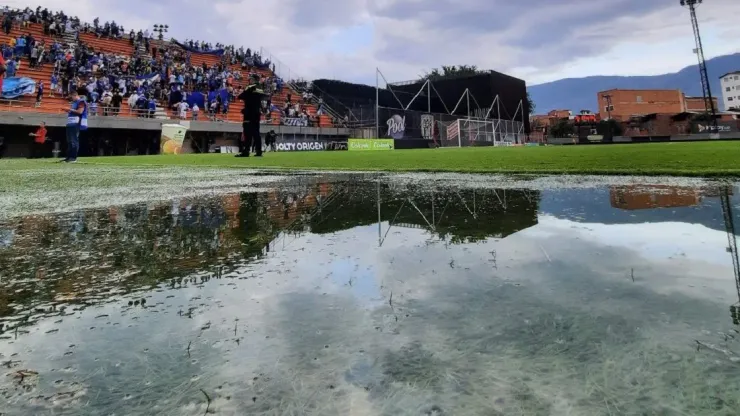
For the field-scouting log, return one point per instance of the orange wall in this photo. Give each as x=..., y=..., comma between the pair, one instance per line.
x=626, y=103
x=697, y=104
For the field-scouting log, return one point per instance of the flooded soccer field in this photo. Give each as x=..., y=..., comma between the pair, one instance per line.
x=361, y=295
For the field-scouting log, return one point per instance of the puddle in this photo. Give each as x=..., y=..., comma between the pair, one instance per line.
x=336, y=296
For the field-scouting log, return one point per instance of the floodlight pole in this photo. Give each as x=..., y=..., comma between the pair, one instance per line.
x=380, y=231
x=429, y=96
x=467, y=133
x=467, y=95
x=377, y=104
x=705, y=85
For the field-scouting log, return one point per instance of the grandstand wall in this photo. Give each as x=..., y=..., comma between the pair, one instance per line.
x=136, y=135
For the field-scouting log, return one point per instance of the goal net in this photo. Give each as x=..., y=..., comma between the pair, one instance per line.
x=478, y=132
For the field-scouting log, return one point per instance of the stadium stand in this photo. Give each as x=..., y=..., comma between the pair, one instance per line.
x=94, y=53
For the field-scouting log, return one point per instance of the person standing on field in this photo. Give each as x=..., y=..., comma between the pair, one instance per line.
x=38, y=147
x=76, y=122
x=252, y=97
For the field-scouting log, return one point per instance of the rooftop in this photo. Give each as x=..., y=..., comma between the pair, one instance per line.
x=639, y=89
x=730, y=73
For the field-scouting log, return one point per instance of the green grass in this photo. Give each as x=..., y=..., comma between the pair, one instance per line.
x=681, y=159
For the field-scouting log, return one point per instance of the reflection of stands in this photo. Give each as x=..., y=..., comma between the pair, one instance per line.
x=457, y=215
x=461, y=216
x=407, y=225
x=326, y=102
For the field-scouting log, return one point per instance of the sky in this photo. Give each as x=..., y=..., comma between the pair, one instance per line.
x=536, y=40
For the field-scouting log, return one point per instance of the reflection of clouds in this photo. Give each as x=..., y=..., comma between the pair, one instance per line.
x=667, y=257
x=6, y=237
x=465, y=319
x=660, y=241
x=560, y=306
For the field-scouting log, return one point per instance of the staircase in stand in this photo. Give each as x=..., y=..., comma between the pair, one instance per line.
x=161, y=113
x=70, y=38
x=142, y=50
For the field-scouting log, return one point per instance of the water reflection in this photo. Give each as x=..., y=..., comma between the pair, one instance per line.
x=370, y=298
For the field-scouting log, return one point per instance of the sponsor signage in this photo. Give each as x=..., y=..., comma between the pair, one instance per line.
x=172, y=138
x=295, y=121
x=427, y=126
x=370, y=144
x=722, y=127
x=396, y=126
x=300, y=145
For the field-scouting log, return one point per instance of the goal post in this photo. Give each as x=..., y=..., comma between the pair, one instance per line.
x=477, y=132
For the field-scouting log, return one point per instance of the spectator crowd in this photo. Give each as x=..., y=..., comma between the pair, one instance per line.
x=157, y=74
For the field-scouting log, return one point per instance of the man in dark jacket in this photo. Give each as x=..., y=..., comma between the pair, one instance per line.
x=270, y=140
x=252, y=97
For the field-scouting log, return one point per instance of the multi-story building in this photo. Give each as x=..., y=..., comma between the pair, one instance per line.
x=621, y=104
x=730, y=84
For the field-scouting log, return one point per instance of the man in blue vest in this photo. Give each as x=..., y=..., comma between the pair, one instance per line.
x=76, y=121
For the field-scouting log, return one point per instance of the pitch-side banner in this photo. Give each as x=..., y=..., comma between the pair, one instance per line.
x=370, y=144
x=295, y=121
x=301, y=145
x=172, y=138
x=722, y=127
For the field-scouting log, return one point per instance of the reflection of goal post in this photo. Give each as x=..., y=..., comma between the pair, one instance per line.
x=466, y=124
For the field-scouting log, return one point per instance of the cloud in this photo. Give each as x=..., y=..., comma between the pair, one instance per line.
x=533, y=39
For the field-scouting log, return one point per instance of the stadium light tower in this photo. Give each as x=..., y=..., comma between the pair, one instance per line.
x=705, y=85
x=161, y=29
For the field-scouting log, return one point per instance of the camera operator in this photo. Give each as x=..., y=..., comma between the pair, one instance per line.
x=252, y=97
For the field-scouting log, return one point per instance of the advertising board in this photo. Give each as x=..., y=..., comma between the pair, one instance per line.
x=370, y=144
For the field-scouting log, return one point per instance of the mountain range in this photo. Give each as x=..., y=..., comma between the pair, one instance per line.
x=580, y=93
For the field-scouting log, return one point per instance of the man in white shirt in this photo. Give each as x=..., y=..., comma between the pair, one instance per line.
x=132, y=100
x=183, y=107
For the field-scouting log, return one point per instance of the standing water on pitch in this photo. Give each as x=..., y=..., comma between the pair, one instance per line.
x=343, y=297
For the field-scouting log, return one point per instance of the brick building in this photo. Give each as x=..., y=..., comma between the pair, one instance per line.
x=543, y=122
x=628, y=103
x=559, y=114
x=697, y=104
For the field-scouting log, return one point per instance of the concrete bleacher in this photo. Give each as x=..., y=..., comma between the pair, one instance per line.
x=43, y=73
x=107, y=45
x=123, y=47
x=54, y=105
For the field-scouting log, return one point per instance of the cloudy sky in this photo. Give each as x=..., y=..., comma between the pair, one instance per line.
x=538, y=40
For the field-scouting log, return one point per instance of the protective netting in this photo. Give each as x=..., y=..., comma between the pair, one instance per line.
x=472, y=132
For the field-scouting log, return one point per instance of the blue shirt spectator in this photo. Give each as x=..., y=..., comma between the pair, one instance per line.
x=10, y=68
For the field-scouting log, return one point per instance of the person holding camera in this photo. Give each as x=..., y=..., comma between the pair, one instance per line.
x=39, y=145
x=252, y=97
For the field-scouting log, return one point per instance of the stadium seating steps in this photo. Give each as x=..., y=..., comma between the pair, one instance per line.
x=57, y=104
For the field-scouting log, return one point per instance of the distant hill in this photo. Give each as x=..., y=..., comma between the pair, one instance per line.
x=580, y=93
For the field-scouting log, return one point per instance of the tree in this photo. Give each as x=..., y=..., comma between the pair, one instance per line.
x=605, y=127
x=532, y=104
x=452, y=71
x=562, y=129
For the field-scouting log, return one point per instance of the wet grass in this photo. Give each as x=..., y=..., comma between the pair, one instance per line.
x=684, y=159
